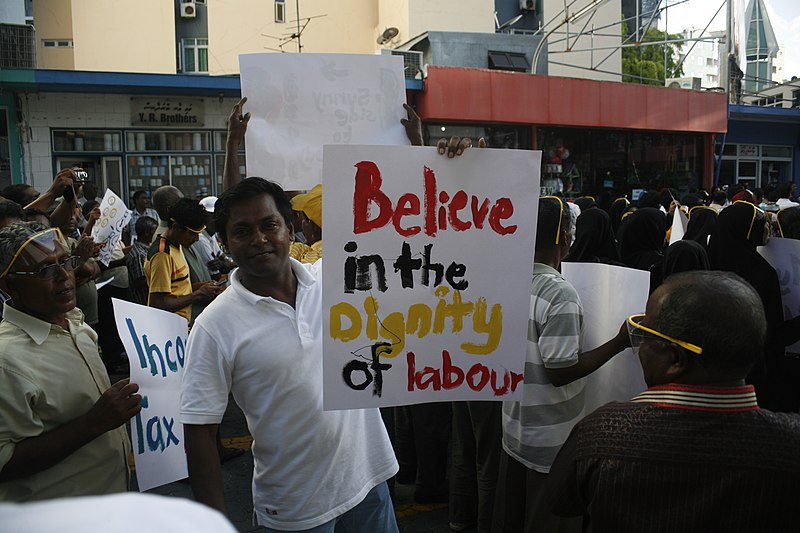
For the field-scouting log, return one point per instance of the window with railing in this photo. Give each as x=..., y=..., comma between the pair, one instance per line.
x=17, y=46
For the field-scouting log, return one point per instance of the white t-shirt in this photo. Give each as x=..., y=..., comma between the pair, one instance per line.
x=310, y=465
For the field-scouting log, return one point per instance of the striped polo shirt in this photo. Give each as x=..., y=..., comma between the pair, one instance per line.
x=167, y=272
x=535, y=428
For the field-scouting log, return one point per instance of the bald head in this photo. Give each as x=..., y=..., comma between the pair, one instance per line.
x=164, y=198
x=718, y=311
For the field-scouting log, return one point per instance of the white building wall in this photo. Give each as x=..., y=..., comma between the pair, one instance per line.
x=702, y=58
x=12, y=12
x=44, y=111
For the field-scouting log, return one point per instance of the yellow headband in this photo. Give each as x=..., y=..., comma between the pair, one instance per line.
x=190, y=229
x=560, y=215
x=57, y=238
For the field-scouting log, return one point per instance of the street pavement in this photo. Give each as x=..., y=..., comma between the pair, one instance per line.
x=237, y=476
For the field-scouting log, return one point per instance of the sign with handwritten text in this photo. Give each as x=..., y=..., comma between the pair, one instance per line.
x=299, y=102
x=114, y=216
x=784, y=256
x=165, y=111
x=426, y=278
x=155, y=341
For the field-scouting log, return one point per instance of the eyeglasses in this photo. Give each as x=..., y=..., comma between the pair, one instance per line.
x=51, y=271
x=560, y=214
x=639, y=333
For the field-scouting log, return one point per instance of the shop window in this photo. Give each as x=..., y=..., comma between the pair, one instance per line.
x=776, y=151
x=163, y=141
x=495, y=136
x=513, y=61
x=280, y=11
x=87, y=141
x=195, y=56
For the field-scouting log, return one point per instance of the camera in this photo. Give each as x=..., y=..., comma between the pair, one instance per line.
x=81, y=175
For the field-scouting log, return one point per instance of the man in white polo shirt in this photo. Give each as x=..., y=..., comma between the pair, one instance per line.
x=262, y=340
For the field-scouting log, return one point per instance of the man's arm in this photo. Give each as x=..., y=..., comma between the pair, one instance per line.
x=173, y=304
x=65, y=178
x=32, y=455
x=237, y=126
x=205, y=473
x=589, y=361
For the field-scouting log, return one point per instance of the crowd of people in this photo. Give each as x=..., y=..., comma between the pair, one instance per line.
x=709, y=446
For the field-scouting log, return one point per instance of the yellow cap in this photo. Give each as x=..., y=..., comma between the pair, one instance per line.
x=310, y=203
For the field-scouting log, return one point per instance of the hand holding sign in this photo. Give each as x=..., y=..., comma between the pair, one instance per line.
x=116, y=406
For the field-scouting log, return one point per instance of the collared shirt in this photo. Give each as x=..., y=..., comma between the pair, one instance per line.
x=207, y=248
x=49, y=377
x=167, y=272
x=310, y=465
x=682, y=458
x=135, y=264
x=136, y=215
x=535, y=427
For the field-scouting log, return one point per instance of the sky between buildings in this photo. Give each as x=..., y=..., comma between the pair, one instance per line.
x=784, y=15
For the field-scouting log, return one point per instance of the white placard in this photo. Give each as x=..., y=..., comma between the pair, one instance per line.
x=784, y=256
x=114, y=216
x=609, y=295
x=300, y=102
x=679, y=223
x=444, y=247
x=155, y=341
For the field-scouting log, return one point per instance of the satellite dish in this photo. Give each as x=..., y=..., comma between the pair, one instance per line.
x=508, y=23
x=387, y=35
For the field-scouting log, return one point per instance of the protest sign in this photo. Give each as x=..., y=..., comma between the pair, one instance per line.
x=679, y=223
x=609, y=295
x=155, y=341
x=784, y=256
x=299, y=102
x=114, y=216
x=427, y=274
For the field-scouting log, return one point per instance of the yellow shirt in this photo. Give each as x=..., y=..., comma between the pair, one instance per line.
x=166, y=271
x=305, y=253
x=48, y=377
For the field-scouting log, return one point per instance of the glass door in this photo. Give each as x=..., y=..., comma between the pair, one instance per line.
x=112, y=176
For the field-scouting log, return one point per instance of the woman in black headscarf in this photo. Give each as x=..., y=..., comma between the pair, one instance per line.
x=619, y=206
x=741, y=228
x=788, y=224
x=702, y=221
x=641, y=238
x=594, y=241
x=683, y=256
x=585, y=203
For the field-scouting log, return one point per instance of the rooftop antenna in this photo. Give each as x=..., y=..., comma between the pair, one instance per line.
x=507, y=23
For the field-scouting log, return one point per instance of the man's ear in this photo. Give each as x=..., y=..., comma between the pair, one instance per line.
x=679, y=363
x=291, y=231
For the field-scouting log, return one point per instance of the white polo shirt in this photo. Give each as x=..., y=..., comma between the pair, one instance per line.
x=310, y=465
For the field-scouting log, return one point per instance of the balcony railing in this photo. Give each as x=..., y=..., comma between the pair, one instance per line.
x=17, y=46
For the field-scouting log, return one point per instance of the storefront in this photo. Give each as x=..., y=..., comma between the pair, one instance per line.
x=593, y=135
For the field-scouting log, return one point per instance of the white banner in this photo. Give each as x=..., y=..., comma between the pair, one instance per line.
x=155, y=341
x=609, y=295
x=784, y=256
x=114, y=216
x=299, y=102
x=427, y=274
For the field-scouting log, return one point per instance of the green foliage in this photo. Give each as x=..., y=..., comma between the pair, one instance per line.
x=645, y=64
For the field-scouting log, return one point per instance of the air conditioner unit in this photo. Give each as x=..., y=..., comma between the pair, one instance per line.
x=684, y=83
x=527, y=5
x=188, y=10
x=412, y=62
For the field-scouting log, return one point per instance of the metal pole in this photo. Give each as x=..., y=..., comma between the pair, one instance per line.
x=297, y=6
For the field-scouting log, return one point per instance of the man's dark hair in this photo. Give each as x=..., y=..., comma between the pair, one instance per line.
x=137, y=194
x=785, y=189
x=32, y=213
x=16, y=192
x=164, y=198
x=145, y=226
x=87, y=207
x=188, y=213
x=11, y=209
x=719, y=197
x=550, y=210
x=789, y=222
x=691, y=200
x=245, y=190
x=719, y=312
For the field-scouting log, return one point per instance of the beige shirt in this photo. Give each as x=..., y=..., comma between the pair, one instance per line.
x=48, y=377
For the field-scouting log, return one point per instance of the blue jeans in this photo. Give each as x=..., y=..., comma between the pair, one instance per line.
x=375, y=514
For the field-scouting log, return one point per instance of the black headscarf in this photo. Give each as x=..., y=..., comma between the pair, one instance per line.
x=732, y=248
x=702, y=221
x=683, y=256
x=789, y=223
x=594, y=241
x=615, y=213
x=641, y=238
x=585, y=203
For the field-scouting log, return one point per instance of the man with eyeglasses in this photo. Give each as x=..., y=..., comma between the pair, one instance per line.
x=694, y=452
x=61, y=419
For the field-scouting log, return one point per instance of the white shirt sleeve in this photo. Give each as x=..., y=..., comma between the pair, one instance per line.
x=206, y=380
